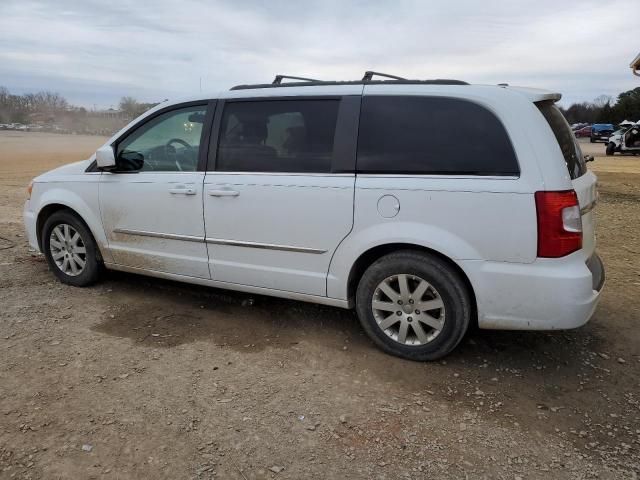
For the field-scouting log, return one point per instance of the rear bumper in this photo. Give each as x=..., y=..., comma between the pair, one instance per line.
x=30, y=221
x=596, y=267
x=548, y=294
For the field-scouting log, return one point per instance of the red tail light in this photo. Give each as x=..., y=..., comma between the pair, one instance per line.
x=559, y=223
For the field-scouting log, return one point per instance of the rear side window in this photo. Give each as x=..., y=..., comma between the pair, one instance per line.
x=277, y=136
x=573, y=156
x=432, y=135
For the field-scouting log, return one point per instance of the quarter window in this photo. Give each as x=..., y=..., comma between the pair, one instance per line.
x=432, y=135
x=168, y=143
x=566, y=139
x=277, y=136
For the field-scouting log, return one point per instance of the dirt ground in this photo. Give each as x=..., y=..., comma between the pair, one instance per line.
x=143, y=378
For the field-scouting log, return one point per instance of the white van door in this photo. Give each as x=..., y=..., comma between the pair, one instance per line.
x=278, y=198
x=151, y=206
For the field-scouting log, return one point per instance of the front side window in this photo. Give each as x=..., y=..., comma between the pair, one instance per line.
x=432, y=136
x=277, y=136
x=168, y=143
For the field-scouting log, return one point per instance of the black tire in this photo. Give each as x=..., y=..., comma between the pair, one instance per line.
x=444, y=279
x=92, y=267
x=611, y=148
x=592, y=140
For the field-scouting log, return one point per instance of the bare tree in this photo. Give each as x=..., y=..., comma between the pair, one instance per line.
x=602, y=100
x=132, y=108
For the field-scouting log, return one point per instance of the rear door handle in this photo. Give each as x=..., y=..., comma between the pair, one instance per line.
x=224, y=193
x=182, y=191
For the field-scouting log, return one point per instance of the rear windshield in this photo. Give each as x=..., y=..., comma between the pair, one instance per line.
x=566, y=140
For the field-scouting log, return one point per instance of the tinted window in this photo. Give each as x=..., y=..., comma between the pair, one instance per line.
x=277, y=136
x=571, y=152
x=168, y=143
x=432, y=135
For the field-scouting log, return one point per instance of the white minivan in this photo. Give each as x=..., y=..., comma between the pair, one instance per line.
x=429, y=206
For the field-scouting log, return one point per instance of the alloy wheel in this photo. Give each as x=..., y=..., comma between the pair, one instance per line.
x=67, y=249
x=408, y=309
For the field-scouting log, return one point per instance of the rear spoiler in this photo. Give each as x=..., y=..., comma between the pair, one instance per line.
x=536, y=95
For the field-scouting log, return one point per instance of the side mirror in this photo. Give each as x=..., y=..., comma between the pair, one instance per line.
x=105, y=158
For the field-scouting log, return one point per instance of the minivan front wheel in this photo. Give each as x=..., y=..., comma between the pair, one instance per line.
x=611, y=148
x=70, y=249
x=413, y=305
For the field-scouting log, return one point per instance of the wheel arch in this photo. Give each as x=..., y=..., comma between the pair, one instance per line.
x=49, y=209
x=373, y=254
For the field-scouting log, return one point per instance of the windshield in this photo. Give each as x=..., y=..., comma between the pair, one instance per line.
x=567, y=142
x=603, y=126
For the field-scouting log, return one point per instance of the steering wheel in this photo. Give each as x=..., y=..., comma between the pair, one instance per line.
x=170, y=150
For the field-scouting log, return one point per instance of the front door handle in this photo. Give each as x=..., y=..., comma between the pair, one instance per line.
x=224, y=193
x=182, y=191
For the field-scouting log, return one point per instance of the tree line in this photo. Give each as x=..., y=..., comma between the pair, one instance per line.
x=48, y=107
x=17, y=108
x=605, y=110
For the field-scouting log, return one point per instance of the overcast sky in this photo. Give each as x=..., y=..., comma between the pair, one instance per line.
x=96, y=51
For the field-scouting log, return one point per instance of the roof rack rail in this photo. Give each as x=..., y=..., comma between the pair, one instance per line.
x=366, y=80
x=279, y=78
x=368, y=76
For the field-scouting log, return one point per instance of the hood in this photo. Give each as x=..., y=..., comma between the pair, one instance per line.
x=75, y=168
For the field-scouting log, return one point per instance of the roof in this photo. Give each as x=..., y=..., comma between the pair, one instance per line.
x=391, y=85
x=533, y=94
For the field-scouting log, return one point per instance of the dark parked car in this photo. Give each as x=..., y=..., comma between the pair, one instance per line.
x=600, y=132
x=583, y=132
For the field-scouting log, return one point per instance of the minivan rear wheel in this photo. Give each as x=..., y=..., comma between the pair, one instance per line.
x=70, y=250
x=413, y=305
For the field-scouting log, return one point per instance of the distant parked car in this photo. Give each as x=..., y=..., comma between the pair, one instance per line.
x=625, y=140
x=583, y=132
x=600, y=132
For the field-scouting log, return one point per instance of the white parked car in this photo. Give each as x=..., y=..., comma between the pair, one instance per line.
x=352, y=194
x=624, y=140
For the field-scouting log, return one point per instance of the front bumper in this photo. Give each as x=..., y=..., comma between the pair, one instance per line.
x=548, y=294
x=30, y=225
